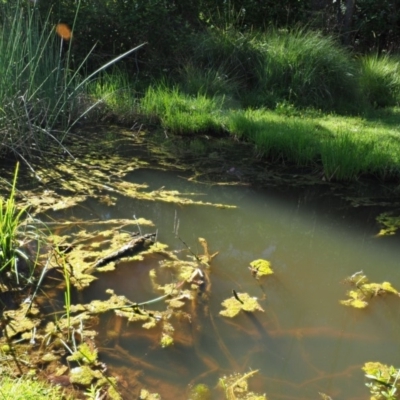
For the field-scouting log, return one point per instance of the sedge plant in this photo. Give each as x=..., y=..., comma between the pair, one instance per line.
x=42, y=94
x=67, y=292
x=10, y=222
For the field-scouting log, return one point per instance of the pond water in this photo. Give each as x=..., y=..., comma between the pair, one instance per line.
x=305, y=342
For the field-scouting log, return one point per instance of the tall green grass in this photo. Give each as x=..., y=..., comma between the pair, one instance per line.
x=380, y=79
x=32, y=80
x=308, y=70
x=41, y=96
x=232, y=54
x=211, y=82
x=116, y=95
x=181, y=113
x=10, y=223
x=298, y=66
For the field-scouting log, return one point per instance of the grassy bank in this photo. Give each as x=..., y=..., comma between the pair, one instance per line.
x=297, y=95
x=343, y=147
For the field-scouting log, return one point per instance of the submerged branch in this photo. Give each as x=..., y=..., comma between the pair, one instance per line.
x=137, y=243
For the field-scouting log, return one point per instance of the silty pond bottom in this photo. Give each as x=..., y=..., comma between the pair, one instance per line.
x=305, y=342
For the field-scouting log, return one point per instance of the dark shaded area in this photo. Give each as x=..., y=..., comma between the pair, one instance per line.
x=169, y=27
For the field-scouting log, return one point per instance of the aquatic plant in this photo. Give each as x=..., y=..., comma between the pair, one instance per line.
x=236, y=387
x=239, y=302
x=32, y=80
x=390, y=223
x=10, y=224
x=383, y=381
x=325, y=396
x=200, y=392
x=260, y=268
x=365, y=290
x=146, y=395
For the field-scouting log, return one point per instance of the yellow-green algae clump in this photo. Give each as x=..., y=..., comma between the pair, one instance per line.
x=240, y=302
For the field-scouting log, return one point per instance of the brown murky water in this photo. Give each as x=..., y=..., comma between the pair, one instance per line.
x=305, y=342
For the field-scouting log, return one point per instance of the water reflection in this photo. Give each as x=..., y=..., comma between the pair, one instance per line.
x=305, y=342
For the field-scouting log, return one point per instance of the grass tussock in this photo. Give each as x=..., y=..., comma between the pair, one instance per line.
x=380, y=80
x=298, y=66
x=180, y=113
x=233, y=54
x=308, y=69
x=211, y=82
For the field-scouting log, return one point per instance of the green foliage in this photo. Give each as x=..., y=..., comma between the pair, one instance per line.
x=298, y=66
x=339, y=156
x=116, y=94
x=380, y=79
x=180, y=113
x=32, y=80
x=169, y=27
x=382, y=381
x=377, y=25
x=10, y=222
x=307, y=69
x=276, y=137
x=28, y=389
x=38, y=89
x=212, y=81
x=231, y=53
x=84, y=353
x=347, y=147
